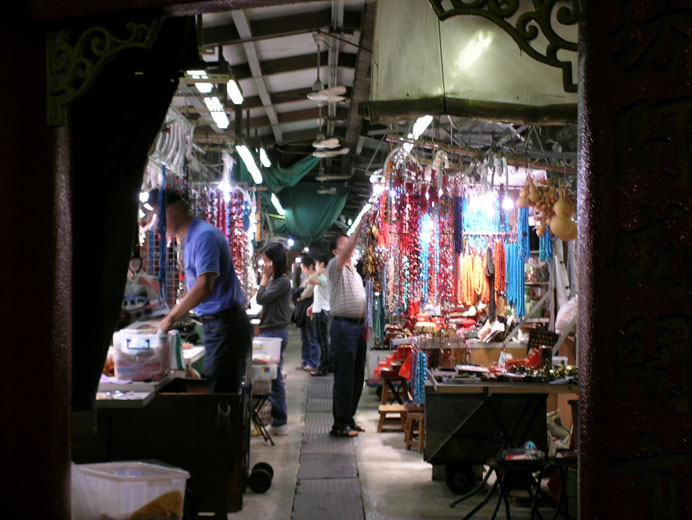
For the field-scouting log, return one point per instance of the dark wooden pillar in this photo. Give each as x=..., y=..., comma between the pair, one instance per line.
x=635, y=202
x=35, y=294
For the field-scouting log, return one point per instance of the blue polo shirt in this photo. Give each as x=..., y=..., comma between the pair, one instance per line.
x=207, y=251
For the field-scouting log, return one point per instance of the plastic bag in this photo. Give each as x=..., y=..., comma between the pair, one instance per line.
x=565, y=315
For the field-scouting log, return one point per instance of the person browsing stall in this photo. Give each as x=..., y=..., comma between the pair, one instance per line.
x=320, y=310
x=347, y=303
x=274, y=294
x=213, y=291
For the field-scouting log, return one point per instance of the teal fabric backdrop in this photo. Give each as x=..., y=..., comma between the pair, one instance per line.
x=308, y=214
x=276, y=178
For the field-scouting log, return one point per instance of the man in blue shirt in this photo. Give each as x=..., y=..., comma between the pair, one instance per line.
x=214, y=291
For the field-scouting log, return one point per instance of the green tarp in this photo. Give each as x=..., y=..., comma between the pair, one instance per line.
x=277, y=178
x=308, y=213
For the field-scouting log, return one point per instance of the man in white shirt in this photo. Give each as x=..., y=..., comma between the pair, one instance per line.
x=320, y=310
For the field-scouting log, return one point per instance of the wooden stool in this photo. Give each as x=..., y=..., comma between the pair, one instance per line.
x=398, y=422
x=391, y=392
x=415, y=425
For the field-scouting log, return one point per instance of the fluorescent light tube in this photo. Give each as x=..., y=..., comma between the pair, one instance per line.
x=234, y=92
x=264, y=159
x=213, y=104
x=249, y=161
x=221, y=119
x=204, y=88
x=277, y=205
x=217, y=112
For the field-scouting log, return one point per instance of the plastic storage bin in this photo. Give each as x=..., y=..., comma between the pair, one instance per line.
x=119, y=489
x=141, y=357
x=264, y=372
x=266, y=350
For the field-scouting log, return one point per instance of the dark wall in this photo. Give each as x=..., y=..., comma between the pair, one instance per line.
x=635, y=272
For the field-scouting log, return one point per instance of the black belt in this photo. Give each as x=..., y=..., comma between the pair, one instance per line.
x=350, y=320
x=212, y=317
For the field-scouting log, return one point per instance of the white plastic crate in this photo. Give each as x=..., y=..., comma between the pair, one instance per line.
x=118, y=489
x=264, y=372
x=266, y=350
x=141, y=357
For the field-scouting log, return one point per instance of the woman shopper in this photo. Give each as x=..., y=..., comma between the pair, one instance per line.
x=273, y=295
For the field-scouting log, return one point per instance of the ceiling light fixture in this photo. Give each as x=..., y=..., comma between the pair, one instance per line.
x=250, y=164
x=217, y=112
x=203, y=87
x=290, y=242
x=234, y=92
x=143, y=197
x=264, y=159
x=277, y=205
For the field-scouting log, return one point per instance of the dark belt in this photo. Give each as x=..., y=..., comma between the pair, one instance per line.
x=350, y=320
x=212, y=317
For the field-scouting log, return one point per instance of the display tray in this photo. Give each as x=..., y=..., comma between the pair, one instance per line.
x=127, y=399
x=135, y=386
x=497, y=387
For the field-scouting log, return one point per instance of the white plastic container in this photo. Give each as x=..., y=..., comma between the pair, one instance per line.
x=264, y=372
x=141, y=357
x=118, y=489
x=266, y=350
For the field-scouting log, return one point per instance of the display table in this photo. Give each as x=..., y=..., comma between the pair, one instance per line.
x=468, y=423
x=183, y=425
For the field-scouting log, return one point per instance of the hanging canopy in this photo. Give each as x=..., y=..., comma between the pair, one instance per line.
x=310, y=214
x=276, y=178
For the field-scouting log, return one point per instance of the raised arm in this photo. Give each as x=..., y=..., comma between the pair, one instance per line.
x=347, y=252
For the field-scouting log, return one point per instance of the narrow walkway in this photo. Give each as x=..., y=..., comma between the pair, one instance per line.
x=327, y=484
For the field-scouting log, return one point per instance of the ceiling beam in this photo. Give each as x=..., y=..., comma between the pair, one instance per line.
x=292, y=63
x=279, y=27
x=277, y=98
x=307, y=136
x=294, y=117
x=361, y=83
x=243, y=25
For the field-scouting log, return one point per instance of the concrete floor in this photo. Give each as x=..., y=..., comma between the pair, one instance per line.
x=395, y=483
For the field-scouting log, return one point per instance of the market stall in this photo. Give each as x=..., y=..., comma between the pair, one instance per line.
x=151, y=403
x=462, y=261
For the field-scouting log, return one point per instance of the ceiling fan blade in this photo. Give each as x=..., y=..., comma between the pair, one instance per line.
x=332, y=142
x=335, y=99
x=322, y=154
x=337, y=90
x=320, y=96
x=341, y=151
